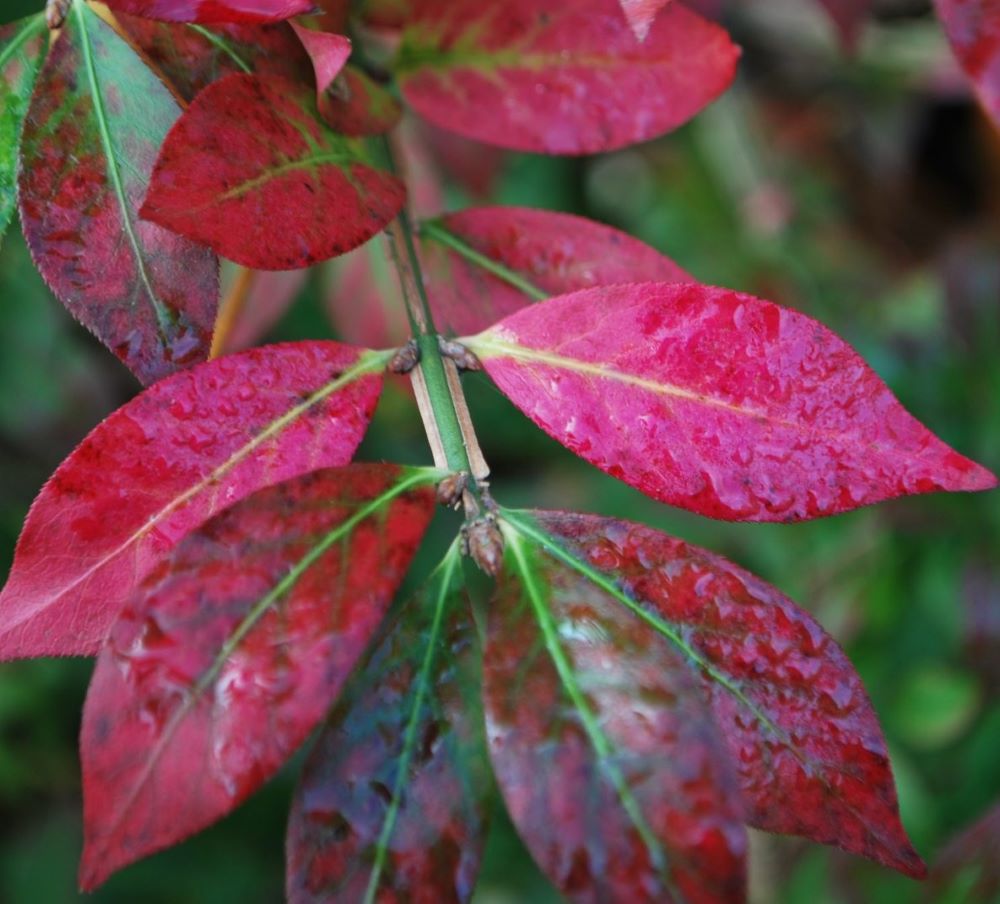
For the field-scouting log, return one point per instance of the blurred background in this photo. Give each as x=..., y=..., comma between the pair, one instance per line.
x=862, y=189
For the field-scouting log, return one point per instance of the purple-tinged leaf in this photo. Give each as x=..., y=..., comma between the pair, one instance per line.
x=485, y=263
x=22, y=48
x=603, y=744
x=232, y=649
x=191, y=57
x=391, y=805
x=252, y=171
x=798, y=726
x=210, y=12
x=95, y=125
x=970, y=863
x=163, y=464
x=717, y=402
x=559, y=78
x=973, y=29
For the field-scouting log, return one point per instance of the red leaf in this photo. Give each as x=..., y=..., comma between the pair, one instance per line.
x=798, y=725
x=334, y=16
x=717, y=402
x=190, y=59
x=530, y=254
x=251, y=171
x=560, y=78
x=356, y=105
x=973, y=29
x=850, y=17
x=328, y=52
x=603, y=745
x=164, y=463
x=387, y=13
x=392, y=799
x=641, y=14
x=232, y=649
x=348, y=100
x=268, y=298
x=96, y=122
x=209, y=12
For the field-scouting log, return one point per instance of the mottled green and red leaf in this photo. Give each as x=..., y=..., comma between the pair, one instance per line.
x=391, y=804
x=799, y=729
x=603, y=745
x=96, y=122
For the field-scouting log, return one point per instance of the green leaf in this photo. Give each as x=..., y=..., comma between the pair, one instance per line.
x=22, y=49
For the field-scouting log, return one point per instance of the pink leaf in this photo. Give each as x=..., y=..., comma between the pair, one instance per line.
x=164, y=463
x=641, y=13
x=328, y=52
x=717, y=402
x=233, y=648
x=559, y=78
x=252, y=171
x=536, y=253
x=973, y=29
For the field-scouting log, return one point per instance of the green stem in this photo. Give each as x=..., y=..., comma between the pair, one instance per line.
x=436, y=230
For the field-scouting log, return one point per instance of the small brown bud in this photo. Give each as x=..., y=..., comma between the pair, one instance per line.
x=449, y=490
x=405, y=359
x=486, y=545
x=463, y=358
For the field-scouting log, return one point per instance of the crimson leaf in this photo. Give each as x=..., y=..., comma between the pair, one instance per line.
x=232, y=649
x=250, y=170
x=716, y=402
x=484, y=263
x=559, y=78
x=191, y=57
x=22, y=48
x=391, y=802
x=798, y=726
x=96, y=122
x=160, y=466
x=213, y=11
x=602, y=743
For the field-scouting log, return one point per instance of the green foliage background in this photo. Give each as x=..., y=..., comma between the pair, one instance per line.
x=860, y=190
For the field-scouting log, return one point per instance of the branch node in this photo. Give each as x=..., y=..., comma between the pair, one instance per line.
x=464, y=358
x=407, y=358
